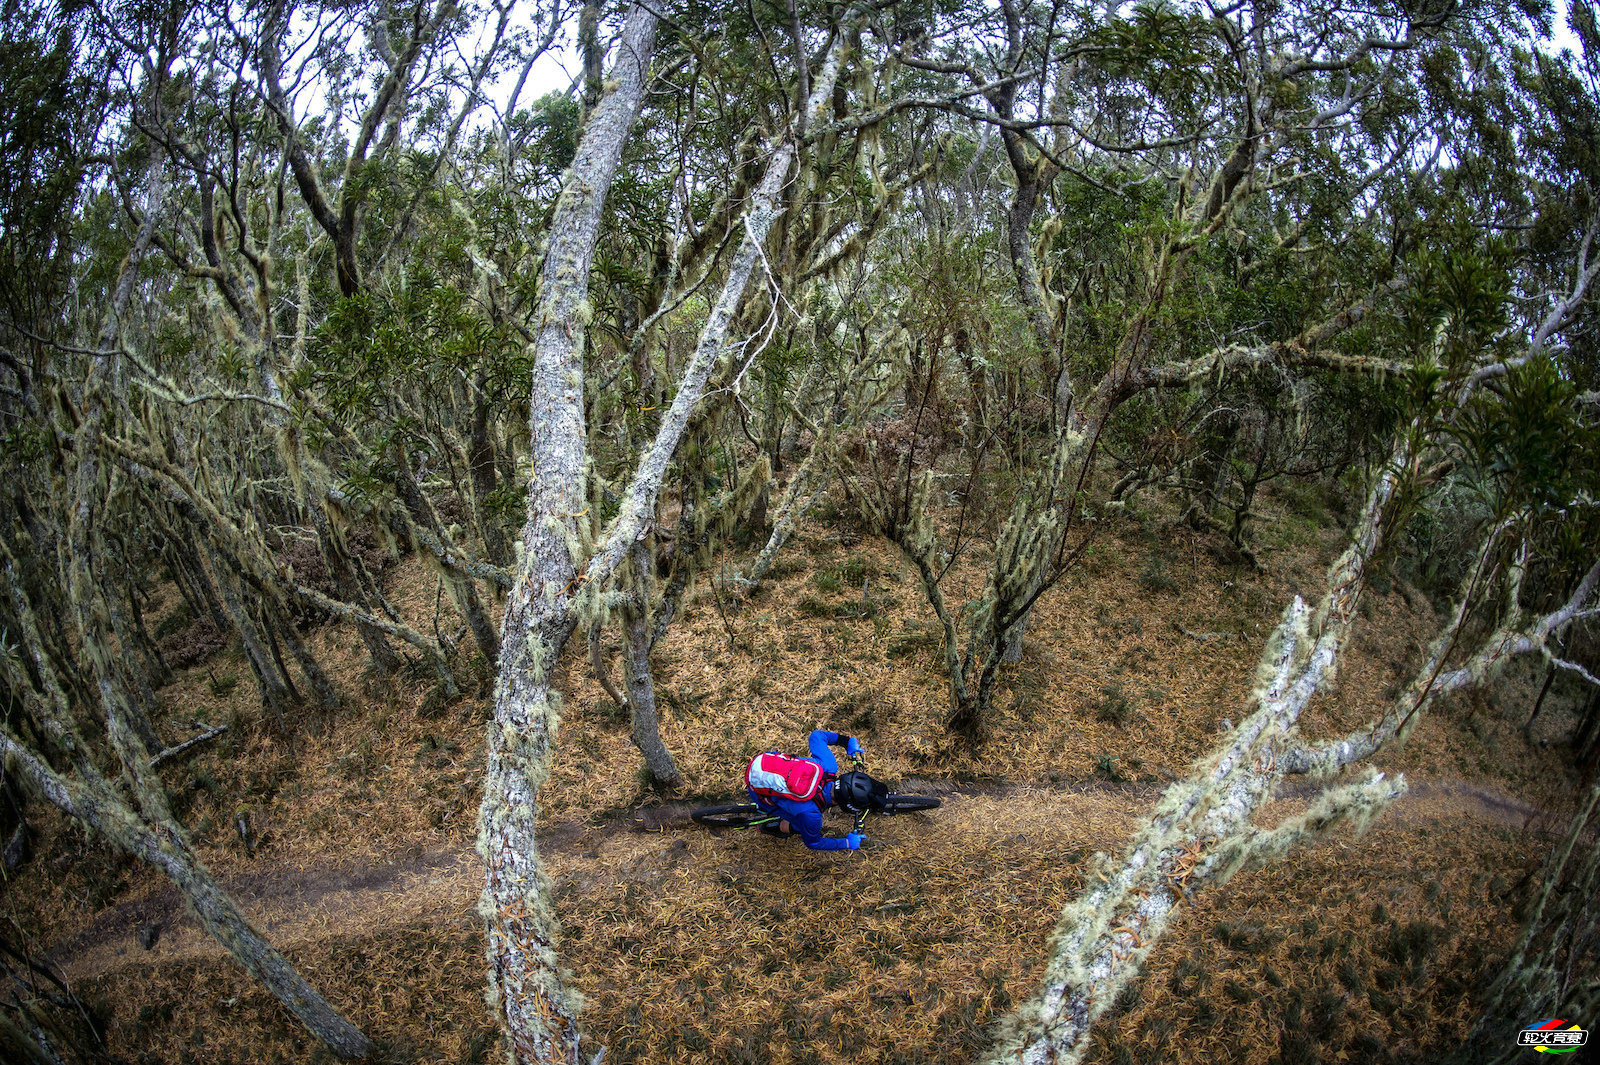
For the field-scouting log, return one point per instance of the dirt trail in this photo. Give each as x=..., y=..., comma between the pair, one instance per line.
x=295, y=905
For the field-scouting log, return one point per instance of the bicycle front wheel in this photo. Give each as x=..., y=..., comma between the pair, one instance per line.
x=905, y=804
x=736, y=815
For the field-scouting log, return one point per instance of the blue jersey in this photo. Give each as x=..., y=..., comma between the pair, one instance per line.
x=806, y=817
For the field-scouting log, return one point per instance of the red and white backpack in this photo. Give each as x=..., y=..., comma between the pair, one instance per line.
x=778, y=776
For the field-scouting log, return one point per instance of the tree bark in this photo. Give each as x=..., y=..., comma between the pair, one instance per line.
x=527, y=990
x=351, y=587
x=643, y=717
x=1538, y=703
x=95, y=804
x=1201, y=828
x=153, y=835
x=803, y=488
x=602, y=671
x=481, y=464
x=134, y=672
x=463, y=591
x=1516, y=635
x=274, y=686
x=262, y=618
x=327, y=695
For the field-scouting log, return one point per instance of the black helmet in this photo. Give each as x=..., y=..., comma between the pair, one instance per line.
x=855, y=791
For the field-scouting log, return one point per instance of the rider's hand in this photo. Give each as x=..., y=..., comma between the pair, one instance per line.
x=852, y=746
x=853, y=841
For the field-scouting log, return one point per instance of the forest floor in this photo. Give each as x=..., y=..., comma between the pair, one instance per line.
x=297, y=905
x=695, y=947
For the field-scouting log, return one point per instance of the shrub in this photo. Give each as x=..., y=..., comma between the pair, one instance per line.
x=857, y=569
x=1115, y=706
x=812, y=607
x=785, y=566
x=180, y=618
x=192, y=645
x=1154, y=576
x=1106, y=766
x=310, y=569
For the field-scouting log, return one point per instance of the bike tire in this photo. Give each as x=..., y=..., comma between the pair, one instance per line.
x=905, y=804
x=734, y=815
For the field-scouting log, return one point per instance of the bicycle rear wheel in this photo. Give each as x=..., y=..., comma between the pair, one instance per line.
x=735, y=815
x=905, y=804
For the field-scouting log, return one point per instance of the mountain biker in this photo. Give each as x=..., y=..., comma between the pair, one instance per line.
x=854, y=791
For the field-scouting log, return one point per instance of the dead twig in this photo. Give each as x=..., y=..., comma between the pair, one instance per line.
x=173, y=752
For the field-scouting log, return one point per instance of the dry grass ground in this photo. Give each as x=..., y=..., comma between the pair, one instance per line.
x=694, y=948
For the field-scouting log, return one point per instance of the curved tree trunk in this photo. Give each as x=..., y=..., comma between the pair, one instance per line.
x=600, y=668
x=152, y=833
x=1202, y=826
x=96, y=805
x=642, y=714
x=527, y=990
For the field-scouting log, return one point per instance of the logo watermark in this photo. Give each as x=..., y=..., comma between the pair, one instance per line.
x=1553, y=1035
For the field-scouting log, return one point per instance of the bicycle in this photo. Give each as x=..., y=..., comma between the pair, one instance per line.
x=750, y=815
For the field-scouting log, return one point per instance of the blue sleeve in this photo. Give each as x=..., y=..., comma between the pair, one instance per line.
x=810, y=829
x=818, y=742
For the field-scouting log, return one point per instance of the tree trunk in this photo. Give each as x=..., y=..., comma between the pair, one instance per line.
x=1538, y=704
x=642, y=715
x=463, y=590
x=351, y=587
x=133, y=671
x=538, y=1014
x=1013, y=641
x=265, y=620
x=310, y=668
x=796, y=501
x=480, y=457
x=163, y=846
x=601, y=670
x=273, y=685
x=1202, y=826
x=207, y=590
x=94, y=802
x=147, y=646
x=1588, y=731
x=527, y=990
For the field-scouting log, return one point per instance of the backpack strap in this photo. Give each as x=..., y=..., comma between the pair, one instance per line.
x=820, y=798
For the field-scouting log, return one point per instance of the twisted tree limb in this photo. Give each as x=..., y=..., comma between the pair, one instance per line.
x=1201, y=830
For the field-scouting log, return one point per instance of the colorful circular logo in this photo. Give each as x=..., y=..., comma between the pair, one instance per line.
x=1553, y=1035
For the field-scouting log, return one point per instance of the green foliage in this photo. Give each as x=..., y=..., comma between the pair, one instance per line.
x=1115, y=707
x=1525, y=445
x=812, y=607
x=424, y=330
x=175, y=622
x=1105, y=765
x=911, y=644
x=548, y=133
x=1153, y=575
x=50, y=95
